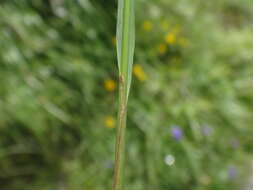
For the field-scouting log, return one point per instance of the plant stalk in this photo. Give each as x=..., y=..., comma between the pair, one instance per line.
x=120, y=141
x=125, y=52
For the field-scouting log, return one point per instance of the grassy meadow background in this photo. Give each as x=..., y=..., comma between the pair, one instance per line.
x=191, y=103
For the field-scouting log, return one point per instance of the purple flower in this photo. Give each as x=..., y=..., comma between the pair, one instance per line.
x=177, y=133
x=232, y=172
x=206, y=131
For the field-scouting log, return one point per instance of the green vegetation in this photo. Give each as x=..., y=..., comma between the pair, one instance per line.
x=125, y=53
x=190, y=106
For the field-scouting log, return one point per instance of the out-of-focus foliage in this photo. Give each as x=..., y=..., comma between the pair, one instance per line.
x=190, y=114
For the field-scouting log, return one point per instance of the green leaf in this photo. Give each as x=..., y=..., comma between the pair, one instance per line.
x=126, y=40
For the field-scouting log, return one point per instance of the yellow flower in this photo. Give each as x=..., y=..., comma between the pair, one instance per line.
x=170, y=38
x=110, y=122
x=147, y=26
x=110, y=85
x=114, y=40
x=139, y=72
x=162, y=48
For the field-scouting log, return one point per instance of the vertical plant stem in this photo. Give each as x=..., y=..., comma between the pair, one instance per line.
x=125, y=52
x=120, y=141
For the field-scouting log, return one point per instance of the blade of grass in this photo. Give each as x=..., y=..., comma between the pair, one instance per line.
x=125, y=52
x=125, y=40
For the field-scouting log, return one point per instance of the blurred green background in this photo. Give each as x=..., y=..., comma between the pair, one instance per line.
x=190, y=110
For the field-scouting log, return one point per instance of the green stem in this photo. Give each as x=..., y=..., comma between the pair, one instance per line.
x=125, y=51
x=120, y=141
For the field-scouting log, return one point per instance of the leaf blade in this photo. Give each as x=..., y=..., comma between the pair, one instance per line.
x=126, y=40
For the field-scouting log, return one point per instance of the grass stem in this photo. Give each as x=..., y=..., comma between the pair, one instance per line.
x=125, y=52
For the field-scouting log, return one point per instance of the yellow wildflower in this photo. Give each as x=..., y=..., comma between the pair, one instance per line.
x=139, y=72
x=114, y=40
x=170, y=38
x=110, y=85
x=162, y=48
x=147, y=26
x=110, y=122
